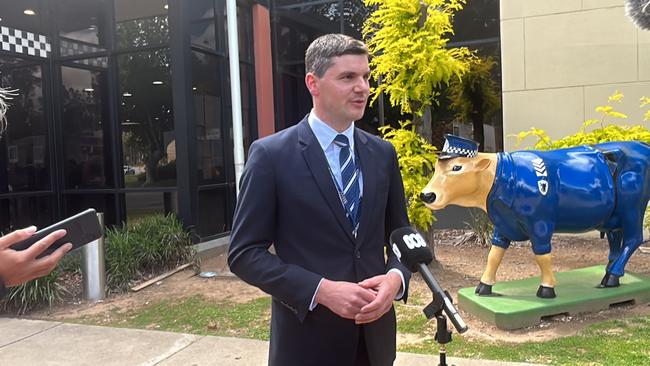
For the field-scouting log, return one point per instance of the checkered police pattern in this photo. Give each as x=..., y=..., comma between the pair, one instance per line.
x=469, y=153
x=28, y=43
x=100, y=62
x=72, y=48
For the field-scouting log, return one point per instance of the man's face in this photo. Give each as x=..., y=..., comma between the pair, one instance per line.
x=341, y=94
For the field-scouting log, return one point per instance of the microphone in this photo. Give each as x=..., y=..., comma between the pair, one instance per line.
x=412, y=250
x=639, y=12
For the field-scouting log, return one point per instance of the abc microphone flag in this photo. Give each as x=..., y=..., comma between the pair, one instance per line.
x=412, y=250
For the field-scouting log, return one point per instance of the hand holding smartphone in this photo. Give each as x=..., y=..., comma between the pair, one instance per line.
x=81, y=229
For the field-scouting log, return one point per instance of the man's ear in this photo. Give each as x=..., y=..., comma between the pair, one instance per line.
x=311, y=81
x=482, y=164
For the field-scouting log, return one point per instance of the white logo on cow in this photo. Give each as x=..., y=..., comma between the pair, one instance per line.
x=540, y=172
x=414, y=241
x=397, y=252
x=543, y=187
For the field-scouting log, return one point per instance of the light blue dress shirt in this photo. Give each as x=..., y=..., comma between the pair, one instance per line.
x=325, y=136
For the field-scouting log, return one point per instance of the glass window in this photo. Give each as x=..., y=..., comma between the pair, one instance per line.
x=141, y=23
x=142, y=204
x=104, y=203
x=24, y=163
x=86, y=148
x=147, y=119
x=21, y=212
x=202, y=29
x=25, y=15
x=82, y=26
x=244, y=23
x=213, y=212
x=355, y=12
x=478, y=20
x=208, y=109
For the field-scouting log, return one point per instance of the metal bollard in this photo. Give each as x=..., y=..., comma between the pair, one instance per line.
x=93, y=267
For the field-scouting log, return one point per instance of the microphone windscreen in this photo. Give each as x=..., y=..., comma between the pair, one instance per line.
x=410, y=247
x=639, y=12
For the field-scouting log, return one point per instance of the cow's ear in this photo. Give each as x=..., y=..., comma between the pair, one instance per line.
x=482, y=164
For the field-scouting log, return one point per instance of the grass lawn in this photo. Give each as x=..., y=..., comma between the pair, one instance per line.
x=618, y=342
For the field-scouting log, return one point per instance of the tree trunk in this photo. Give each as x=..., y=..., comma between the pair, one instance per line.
x=479, y=133
x=423, y=124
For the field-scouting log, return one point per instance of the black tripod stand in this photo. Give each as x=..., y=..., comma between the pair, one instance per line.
x=443, y=335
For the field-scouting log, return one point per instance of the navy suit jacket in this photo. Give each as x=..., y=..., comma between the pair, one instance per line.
x=288, y=198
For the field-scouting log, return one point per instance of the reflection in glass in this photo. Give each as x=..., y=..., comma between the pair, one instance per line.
x=141, y=23
x=202, y=28
x=13, y=16
x=143, y=204
x=85, y=145
x=25, y=164
x=208, y=109
x=105, y=203
x=83, y=27
x=146, y=117
x=212, y=212
x=18, y=213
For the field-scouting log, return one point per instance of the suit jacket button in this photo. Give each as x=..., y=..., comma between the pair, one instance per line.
x=358, y=254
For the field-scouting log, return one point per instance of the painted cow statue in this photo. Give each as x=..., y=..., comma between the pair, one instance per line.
x=529, y=195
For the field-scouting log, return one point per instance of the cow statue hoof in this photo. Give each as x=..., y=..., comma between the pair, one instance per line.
x=546, y=292
x=483, y=289
x=610, y=280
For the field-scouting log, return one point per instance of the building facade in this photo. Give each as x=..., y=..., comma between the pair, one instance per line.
x=562, y=58
x=125, y=105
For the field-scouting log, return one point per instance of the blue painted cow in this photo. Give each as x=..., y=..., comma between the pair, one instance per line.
x=529, y=195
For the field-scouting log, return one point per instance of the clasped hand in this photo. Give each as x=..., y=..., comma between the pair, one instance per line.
x=365, y=301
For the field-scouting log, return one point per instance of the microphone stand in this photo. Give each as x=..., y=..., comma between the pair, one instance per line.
x=443, y=335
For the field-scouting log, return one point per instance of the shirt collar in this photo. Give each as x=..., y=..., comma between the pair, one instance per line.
x=326, y=134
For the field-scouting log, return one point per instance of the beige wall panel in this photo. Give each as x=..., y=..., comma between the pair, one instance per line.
x=557, y=111
x=583, y=48
x=644, y=55
x=525, y=8
x=512, y=55
x=594, y=4
x=597, y=95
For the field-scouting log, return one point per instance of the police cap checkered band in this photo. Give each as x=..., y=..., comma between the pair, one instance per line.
x=456, y=146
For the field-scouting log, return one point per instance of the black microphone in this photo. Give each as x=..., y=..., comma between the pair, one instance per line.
x=412, y=250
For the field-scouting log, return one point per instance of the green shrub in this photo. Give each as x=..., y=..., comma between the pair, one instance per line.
x=416, y=162
x=154, y=244
x=604, y=133
x=44, y=290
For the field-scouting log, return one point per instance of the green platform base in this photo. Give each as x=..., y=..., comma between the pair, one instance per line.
x=514, y=304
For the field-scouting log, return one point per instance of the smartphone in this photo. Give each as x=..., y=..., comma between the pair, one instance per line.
x=81, y=229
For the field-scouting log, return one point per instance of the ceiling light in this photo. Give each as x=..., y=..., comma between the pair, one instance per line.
x=193, y=88
x=166, y=6
x=127, y=94
x=157, y=82
x=89, y=90
x=29, y=12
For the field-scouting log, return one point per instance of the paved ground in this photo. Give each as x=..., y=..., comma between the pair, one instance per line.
x=34, y=342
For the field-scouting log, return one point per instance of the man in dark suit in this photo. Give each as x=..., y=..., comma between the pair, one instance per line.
x=327, y=196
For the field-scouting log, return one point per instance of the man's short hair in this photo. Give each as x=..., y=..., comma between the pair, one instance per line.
x=323, y=49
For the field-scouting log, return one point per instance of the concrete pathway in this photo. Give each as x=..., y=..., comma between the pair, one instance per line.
x=35, y=342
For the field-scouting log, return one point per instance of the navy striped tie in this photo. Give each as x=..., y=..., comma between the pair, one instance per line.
x=349, y=180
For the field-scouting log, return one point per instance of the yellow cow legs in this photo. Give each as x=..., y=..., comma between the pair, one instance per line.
x=489, y=277
x=547, y=286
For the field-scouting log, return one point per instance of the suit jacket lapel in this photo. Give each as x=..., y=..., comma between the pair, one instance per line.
x=369, y=173
x=317, y=163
